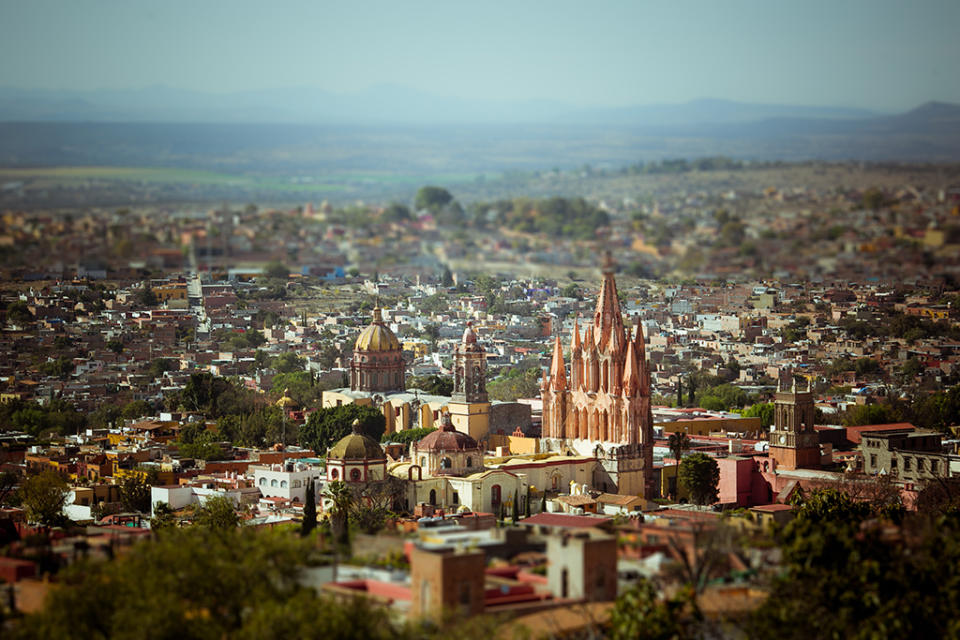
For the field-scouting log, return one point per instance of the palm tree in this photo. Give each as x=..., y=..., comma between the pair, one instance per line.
x=342, y=498
x=678, y=443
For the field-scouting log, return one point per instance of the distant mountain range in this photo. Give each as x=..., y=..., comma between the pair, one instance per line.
x=384, y=104
x=396, y=129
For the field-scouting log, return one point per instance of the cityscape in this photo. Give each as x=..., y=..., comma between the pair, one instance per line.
x=402, y=363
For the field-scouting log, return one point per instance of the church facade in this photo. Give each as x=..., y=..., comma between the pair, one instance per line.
x=602, y=407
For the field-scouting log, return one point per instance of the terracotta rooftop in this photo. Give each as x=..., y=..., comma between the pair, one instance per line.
x=565, y=520
x=853, y=433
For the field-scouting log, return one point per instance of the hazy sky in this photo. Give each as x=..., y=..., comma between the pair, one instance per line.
x=879, y=54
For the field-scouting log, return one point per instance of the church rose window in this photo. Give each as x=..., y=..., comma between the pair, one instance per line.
x=355, y=475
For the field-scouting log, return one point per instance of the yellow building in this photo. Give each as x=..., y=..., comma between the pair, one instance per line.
x=377, y=380
x=706, y=426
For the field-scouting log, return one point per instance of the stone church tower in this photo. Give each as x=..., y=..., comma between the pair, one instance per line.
x=469, y=406
x=603, y=407
x=794, y=443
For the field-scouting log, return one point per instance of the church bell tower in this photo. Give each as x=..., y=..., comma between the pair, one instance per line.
x=794, y=443
x=469, y=405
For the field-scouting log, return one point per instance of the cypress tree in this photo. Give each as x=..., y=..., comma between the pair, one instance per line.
x=309, y=510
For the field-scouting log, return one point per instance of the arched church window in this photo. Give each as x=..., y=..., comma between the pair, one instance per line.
x=283, y=484
x=263, y=482
x=446, y=463
x=273, y=483
x=469, y=462
x=334, y=474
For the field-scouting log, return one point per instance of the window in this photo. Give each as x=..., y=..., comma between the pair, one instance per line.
x=456, y=498
x=355, y=475
x=433, y=496
x=263, y=482
x=273, y=482
x=295, y=484
x=334, y=474
x=469, y=462
x=920, y=464
x=934, y=466
x=446, y=463
x=873, y=461
x=907, y=464
x=283, y=484
x=495, y=496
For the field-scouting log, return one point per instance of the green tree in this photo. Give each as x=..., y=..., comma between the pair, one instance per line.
x=762, y=410
x=163, y=517
x=217, y=513
x=193, y=583
x=678, y=443
x=288, y=363
x=300, y=384
x=326, y=426
x=699, y=474
x=159, y=366
x=135, y=494
x=432, y=384
x=873, y=199
x=43, y=497
x=446, y=279
x=136, y=409
x=341, y=500
x=19, y=313
x=309, y=510
x=515, y=382
x=639, y=614
x=407, y=436
x=396, y=212
x=844, y=576
x=432, y=198
x=276, y=270
x=145, y=296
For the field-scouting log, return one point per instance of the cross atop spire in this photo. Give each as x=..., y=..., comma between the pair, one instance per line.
x=608, y=265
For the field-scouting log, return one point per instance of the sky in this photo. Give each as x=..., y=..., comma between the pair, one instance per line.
x=878, y=54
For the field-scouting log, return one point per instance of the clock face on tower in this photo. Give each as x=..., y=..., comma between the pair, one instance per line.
x=783, y=439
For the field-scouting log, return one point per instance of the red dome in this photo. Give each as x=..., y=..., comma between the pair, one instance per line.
x=446, y=438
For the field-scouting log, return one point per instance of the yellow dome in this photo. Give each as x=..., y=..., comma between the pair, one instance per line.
x=378, y=336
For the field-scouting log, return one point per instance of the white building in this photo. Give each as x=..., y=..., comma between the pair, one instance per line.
x=286, y=481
